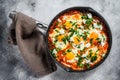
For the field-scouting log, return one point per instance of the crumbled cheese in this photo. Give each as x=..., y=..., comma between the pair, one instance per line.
x=76, y=58
x=85, y=55
x=82, y=27
x=102, y=43
x=82, y=45
x=62, y=31
x=74, y=51
x=59, y=20
x=87, y=60
x=53, y=39
x=54, y=51
x=60, y=45
x=102, y=39
x=64, y=17
x=103, y=55
x=97, y=26
x=88, y=45
x=72, y=38
x=89, y=15
x=100, y=26
x=83, y=62
x=71, y=61
x=80, y=32
x=94, y=49
x=84, y=21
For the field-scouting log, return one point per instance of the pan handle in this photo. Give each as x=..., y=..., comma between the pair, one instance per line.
x=42, y=27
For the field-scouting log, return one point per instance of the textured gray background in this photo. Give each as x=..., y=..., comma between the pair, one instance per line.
x=12, y=65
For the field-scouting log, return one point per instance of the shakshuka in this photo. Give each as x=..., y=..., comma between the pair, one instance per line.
x=78, y=40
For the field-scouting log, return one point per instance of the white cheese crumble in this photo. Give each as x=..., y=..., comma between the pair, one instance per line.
x=60, y=45
x=102, y=43
x=87, y=60
x=85, y=55
x=72, y=38
x=74, y=51
x=103, y=55
x=102, y=37
x=64, y=17
x=62, y=31
x=54, y=51
x=88, y=45
x=101, y=27
x=71, y=61
x=81, y=27
x=94, y=49
x=82, y=45
x=76, y=58
x=84, y=21
x=83, y=62
x=97, y=26
x=89, y=15
x=59, y=20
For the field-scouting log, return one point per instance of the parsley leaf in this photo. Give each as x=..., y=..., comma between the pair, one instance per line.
x=88, y=66
x=93, y=58
x=80, y=61
x=84, y=17
x=91, y=41
x=88, y=22
x=64, y=40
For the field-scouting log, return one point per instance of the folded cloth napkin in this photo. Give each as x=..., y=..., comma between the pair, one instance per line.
x=31, y=43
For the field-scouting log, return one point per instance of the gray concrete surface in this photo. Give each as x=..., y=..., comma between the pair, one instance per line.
x=12, y=65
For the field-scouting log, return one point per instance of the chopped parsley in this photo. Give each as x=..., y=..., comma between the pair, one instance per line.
x=81, y=65
x=69, y=50
x=87, y=66
x=78, y=46
x=55, y=41
x=74, y=23
x=68, y=38
x=80, y=61
x=71, y=34
x=56, y=30
x=90, y=53
x=84, y=17
x=89, y=21
x=99, y=40
x=93, y=58
x=103, y=38
x=91, y=41
x=64, y=40
x=84, y=37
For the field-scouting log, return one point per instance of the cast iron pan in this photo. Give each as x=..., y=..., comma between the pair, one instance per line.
x=84, y=10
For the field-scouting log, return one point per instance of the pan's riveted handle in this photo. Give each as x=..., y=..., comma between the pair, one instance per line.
x=42, y=27
x=12, y=14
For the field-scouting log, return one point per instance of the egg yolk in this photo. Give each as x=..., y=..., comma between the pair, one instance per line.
x=94, y=35
x=68, y=25
x=76, y=40
x=60, y=37
x=69, y=56
x=76, y=17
